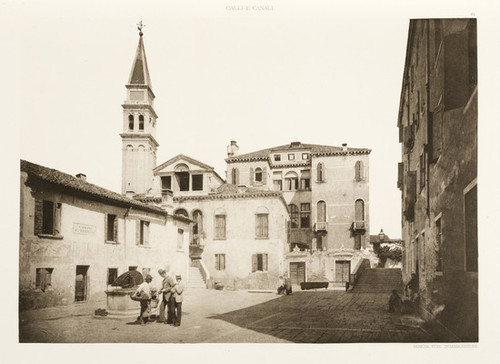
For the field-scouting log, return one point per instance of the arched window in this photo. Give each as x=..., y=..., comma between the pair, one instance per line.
x=258, y=174
x=141, y=122
x=129, y=147
x=197, y=226
x=181, y=212
x=235, y=176
x=321, y=172
x=359, y=210
x=358, y=171
x=321, y=211
x=294, y=216
x=131, y=122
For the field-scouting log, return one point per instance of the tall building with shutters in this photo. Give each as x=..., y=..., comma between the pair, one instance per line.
x=438, y=171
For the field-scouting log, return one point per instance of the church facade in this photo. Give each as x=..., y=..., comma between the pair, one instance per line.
x=296, y=210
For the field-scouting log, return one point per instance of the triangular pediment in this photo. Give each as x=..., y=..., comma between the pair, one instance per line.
x=182, y=163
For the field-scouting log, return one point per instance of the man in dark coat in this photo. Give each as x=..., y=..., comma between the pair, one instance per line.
x=167, y=302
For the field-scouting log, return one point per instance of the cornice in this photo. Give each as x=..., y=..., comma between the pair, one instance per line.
x=145, y=136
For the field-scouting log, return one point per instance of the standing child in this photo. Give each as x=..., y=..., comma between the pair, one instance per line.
x=178, y=296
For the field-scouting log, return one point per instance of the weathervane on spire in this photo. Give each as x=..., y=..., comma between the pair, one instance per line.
x=140, y=26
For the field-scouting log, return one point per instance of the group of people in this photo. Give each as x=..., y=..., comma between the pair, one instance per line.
x=396, y=304
x=171, y=295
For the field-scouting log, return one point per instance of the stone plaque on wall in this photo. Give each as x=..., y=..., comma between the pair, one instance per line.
x=84, y=229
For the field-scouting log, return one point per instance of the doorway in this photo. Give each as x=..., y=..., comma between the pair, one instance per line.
x=81, y=281
x=297, y=273
x=342, y=270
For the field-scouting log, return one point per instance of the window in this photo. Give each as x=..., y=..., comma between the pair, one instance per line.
x=357, y=241
x=439, y=259
x=180, y=239
x=181, y=212
x=291, y=157
x=470, y=225
x=235, y=176
x=47, y=217
x=259, y=262
x=111, y=228
x=166, y=183
x=320, y=172
x=277, y=181
x=422, y=171
x=258, y=175
x=291, y=181
x=277, y=157
x=321, y=211
x=220, y=226
x=305, y=184
x=197, y=182
x=131, y=122
x=182, y=180
x=44, y=278
x=305, y=156
x=294, y=216
x=319, y=242
x=132, y=268
x=142, y=232
x=112, y=275
x=141, y=122
x=197, y=226
x=305, y=215
x=220, y=261
x=359, y=210
x=358, y=171
x=261, y=225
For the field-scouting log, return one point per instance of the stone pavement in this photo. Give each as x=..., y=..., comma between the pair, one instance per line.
x=211, y=316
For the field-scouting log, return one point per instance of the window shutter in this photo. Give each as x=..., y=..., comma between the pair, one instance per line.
x=237, y=176
x=264, y=175
x=264, y=262
x=115, y=229
x=258, y=226
x=223, y=263
x=38, y=216
x=265, y=223
x=57, y=218
x=137, y=232
x=146, y=233
x=105, y=227
x=252, y=177
x=254, y=263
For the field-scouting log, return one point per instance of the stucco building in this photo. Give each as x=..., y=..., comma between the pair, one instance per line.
x=300, y=209
x=76, y=238
x=326, y=189
x=438, y=171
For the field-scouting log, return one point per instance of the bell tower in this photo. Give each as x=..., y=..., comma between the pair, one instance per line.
x=139, y=143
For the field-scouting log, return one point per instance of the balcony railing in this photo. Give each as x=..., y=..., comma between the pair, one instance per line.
x=359, y=225
x=320, y=226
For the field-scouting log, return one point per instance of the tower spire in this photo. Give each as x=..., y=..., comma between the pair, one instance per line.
x=139, y=74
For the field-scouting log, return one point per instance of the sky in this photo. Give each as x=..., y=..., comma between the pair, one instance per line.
x=319, y=72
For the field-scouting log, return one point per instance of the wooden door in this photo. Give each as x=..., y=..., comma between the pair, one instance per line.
x=342, y=270
x=297, y=273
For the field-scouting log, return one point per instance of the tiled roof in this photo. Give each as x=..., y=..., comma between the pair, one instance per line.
x=73, y=183
x=387, y=240
x=315, y=149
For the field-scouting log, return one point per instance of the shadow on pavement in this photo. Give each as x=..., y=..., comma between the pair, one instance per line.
x=326, y=317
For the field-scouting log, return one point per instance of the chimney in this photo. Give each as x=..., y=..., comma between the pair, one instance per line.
x=344, y=147
x=232, y=149
x=81, y=176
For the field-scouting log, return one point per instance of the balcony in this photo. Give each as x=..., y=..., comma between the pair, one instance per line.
x=359, y=226
x=320, y=226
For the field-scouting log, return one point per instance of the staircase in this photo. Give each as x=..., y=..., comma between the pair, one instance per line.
x=379, y=280
x=195, y=278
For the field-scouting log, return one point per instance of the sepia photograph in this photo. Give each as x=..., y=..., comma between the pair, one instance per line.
x=251, y=172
